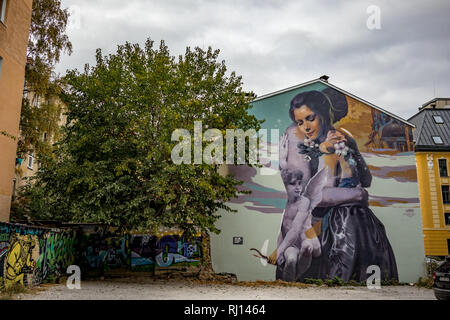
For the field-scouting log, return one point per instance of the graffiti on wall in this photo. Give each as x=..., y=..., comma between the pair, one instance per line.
x=19, y=260
x=103, y=248
x=29, y=255
x=32, y=255
x=58, y=250
x=167, y=250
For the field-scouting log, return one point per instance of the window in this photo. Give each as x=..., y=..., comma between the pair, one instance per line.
x=443, y=167
x=37, y=101
x=438, y=119
x=2, y=10
x=31, y=161
x=447, y=218
x=437, y=140
x=445, y=194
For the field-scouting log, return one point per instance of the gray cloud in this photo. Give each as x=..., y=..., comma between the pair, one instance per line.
x=276, y=44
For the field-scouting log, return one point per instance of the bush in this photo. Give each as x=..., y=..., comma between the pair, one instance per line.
x=425, y=282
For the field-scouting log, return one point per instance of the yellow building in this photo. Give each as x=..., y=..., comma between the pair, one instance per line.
x=432, y=149
x=15, y=17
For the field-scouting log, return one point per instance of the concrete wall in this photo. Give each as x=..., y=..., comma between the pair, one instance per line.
x=13, y=45
x=387, y=147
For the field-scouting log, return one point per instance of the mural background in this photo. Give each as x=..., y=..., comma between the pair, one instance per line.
x=386, y=145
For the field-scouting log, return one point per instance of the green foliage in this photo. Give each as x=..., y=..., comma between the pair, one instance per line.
x=318, y=282
x=425, y=282
x=335, y=282
x=6, y=134
x=35, y=121
x=47, y=40
x=338, y=281
x=113, y=164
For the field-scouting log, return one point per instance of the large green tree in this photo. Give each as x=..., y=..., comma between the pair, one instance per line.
x=114, y=163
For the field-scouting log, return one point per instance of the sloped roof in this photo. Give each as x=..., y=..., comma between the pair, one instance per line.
x=427, y=128
x=338, y=89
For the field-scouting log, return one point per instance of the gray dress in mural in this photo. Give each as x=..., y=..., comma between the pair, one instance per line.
x=352, y=238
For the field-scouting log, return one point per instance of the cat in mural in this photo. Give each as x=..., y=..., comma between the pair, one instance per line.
x=297, y=242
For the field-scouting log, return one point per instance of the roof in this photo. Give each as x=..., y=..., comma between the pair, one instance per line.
x=433, y=100
x=427, y=128
x=265, y=96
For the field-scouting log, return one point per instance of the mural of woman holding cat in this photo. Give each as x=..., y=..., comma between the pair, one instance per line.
x=328, y=229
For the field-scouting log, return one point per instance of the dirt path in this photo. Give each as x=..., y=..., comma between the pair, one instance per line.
x=176, y=290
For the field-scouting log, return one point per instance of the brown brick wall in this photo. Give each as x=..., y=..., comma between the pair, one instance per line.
x=13, y=45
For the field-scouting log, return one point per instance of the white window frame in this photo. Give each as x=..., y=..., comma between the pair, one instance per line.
x=30, y=161
x=37, y=101
x=438, y=121
x=437, y=141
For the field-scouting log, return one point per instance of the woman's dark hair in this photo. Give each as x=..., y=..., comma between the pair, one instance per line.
x=329, y=104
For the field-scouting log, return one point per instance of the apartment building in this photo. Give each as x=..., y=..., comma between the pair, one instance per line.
x=15, y=18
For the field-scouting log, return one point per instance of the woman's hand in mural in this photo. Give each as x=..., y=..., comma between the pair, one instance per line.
x=333, y=137
x=273, y=257
x=283, y=151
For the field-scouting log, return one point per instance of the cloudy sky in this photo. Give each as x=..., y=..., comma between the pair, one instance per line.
x=275, y=44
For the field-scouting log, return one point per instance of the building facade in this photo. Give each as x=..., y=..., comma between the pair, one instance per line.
x=432, y=148
x=15, y=17
x=388, y=227
x=29, y=164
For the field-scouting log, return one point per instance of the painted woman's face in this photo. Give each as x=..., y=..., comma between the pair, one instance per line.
x=308, y=122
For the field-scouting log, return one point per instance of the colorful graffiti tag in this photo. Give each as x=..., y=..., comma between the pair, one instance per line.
x=57, y=252
x=29, y=255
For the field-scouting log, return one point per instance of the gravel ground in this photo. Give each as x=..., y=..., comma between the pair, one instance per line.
x=136, y=289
